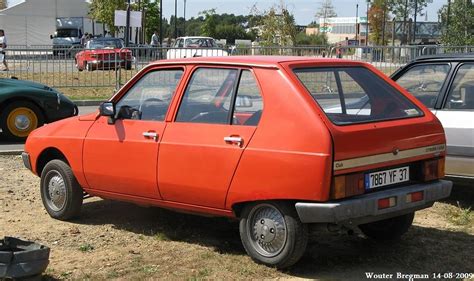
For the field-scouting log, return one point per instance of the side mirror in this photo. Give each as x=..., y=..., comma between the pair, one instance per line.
x=51, y=36
x=108, y=109
x=243, y=101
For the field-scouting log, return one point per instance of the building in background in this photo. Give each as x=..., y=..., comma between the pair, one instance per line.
x=33, y=21
x=341, y=29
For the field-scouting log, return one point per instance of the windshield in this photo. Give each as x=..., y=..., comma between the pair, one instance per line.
x=104, y=44
x=355, y=95
x=64, y=33
x=200, y=42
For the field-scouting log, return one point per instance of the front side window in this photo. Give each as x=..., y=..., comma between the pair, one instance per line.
x=461, y=95
x=208, y=96
x=355, y=95
x=150, y=97
x=425, y=82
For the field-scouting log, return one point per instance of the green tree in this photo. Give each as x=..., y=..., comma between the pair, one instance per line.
x=403, y=10
x=209, y=26
x=460, y=29
x=278, y=27
x=104, y=11
x=302, y=39
x=378, y=17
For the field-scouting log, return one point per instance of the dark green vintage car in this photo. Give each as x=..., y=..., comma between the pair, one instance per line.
x=26, y=105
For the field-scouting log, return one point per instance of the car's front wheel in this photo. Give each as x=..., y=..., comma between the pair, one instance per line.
x=60, y=192
x=388, y=229
x=272, y=234
x=18, y=119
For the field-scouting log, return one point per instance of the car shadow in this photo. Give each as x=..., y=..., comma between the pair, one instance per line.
x=329, y=255
x=462, y=195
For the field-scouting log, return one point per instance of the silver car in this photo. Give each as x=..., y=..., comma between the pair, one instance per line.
x=445, y=84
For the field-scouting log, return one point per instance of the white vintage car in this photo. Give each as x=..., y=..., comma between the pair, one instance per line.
x=188, y=47
x=445, y=84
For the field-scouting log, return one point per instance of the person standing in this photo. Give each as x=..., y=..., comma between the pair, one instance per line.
x=155, y=43
x=3, y=45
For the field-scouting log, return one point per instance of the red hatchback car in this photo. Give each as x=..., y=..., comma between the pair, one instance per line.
x=103, y=54
x=279, y=143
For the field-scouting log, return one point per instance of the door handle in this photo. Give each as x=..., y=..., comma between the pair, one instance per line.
x=151, y=135
x=234, y=140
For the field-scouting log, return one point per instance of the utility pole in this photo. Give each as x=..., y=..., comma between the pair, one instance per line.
x=184, y=24
x=175, y=19
x=367, y=30
x=357, y=27
x=127, y=28
x=414, y=21
x=384, y=20
x=161, y=23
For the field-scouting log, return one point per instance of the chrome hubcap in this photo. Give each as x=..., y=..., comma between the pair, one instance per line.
x=22, y=122
x=56, y=193
x=268, y=230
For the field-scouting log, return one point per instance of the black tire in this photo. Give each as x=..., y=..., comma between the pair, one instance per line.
x=28, y=110
x=388, y=229
x=128, y=65
x=285, y=219
x=77, y=66
x=55, y=173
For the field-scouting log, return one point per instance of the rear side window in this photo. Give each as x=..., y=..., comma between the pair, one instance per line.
x=351, y=95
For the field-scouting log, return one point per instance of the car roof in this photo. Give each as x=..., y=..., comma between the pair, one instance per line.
x=105, y=39
x=256, y=61
x=195, y=37
x=445, y=57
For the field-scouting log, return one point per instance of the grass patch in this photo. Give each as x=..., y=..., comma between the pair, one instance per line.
x=86, y=248
x=161, y=237
x=458, y=215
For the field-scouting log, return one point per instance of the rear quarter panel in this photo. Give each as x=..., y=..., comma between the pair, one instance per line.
x=289, y=156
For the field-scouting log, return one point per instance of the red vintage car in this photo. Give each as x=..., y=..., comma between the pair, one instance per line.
x=103, y=54
x=279, y=143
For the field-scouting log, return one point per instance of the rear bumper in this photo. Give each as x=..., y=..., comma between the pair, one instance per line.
x=364, y=209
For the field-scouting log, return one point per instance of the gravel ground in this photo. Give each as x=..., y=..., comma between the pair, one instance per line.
x=120, y=240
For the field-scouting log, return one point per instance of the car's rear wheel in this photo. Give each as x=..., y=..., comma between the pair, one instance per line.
x=388, y=229
x=272, y=234
x=60, y=192
x=18, y=119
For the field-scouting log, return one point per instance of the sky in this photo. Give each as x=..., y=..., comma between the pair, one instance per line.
x=304, y=10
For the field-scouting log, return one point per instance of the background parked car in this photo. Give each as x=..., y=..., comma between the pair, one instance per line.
x=102, y=54
x=188, y=47
x=25, y=106
x=445, y=84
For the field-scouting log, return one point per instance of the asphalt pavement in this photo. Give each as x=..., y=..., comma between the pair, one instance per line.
x=7, y=148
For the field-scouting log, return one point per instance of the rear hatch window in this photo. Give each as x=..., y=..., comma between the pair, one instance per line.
x=350, y=95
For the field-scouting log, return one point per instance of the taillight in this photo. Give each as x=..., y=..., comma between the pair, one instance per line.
x=347, y=185
x=433, y=169
x=414, y=197
x=387, y=202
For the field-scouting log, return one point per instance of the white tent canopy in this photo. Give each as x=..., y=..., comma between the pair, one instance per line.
x=33, y=21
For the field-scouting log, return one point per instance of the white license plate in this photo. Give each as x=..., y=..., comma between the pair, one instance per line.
x=387, y=177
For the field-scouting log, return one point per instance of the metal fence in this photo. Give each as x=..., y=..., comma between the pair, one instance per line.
x=63, y=67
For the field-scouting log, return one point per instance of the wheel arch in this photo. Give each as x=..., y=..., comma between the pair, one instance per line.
x=6, y=102
x=50, y=153
x=237, y=208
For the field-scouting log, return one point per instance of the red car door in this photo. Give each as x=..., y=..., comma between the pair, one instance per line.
x=122, y=158
x=202, y=147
